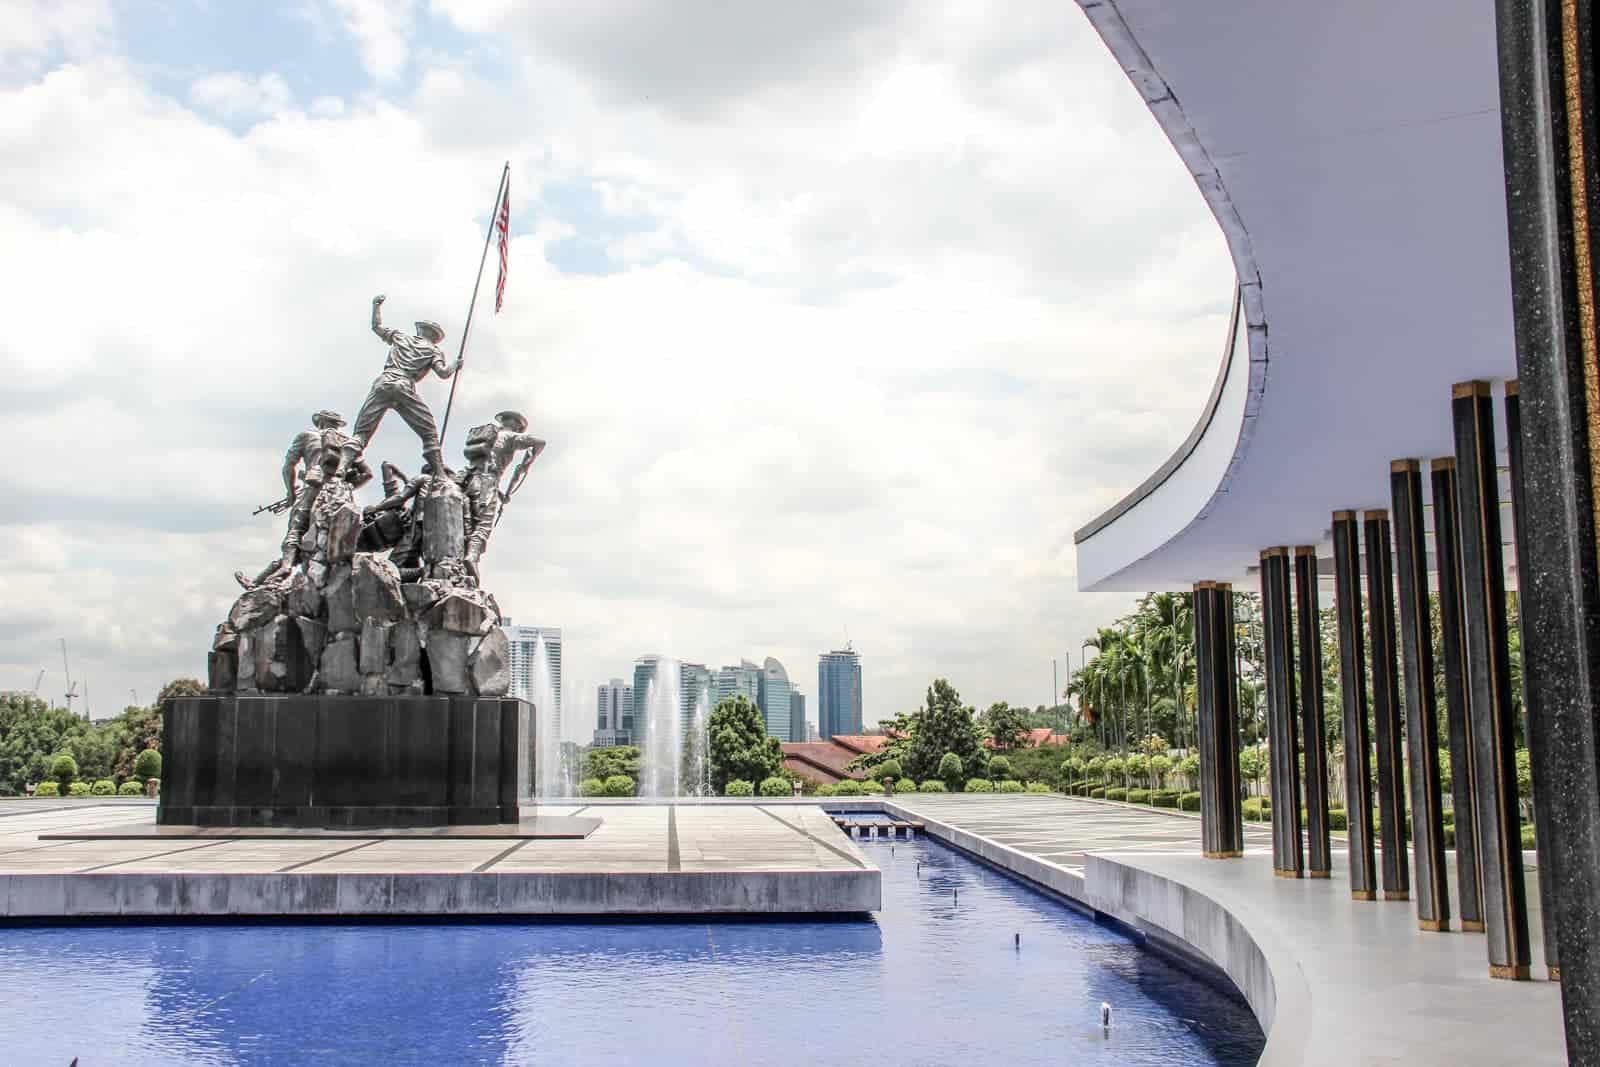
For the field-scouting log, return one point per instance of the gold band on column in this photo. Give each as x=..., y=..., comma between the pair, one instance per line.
x=1510, y=972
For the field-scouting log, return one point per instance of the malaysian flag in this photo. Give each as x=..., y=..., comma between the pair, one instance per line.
x=502, y=226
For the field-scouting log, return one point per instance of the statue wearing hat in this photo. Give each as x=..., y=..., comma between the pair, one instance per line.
x=489, y=450
x=302, y=480
x=410, y=359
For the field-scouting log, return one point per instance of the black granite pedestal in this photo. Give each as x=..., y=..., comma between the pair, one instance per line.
x=343, y=761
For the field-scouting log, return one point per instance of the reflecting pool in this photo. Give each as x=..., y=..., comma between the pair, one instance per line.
x=937, y=977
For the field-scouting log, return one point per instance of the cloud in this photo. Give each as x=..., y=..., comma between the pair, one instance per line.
x=874, y=311
x=234, y=95
x=382, y=29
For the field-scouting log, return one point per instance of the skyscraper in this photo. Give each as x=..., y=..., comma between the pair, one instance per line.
x=742, y=681
x=797, y=716
x=695, y=683
x=774, y=700
x=614, y=725
x=839, y=693
x=525, y=673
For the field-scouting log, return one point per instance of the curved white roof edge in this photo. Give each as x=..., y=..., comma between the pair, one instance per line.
x=1351, y=156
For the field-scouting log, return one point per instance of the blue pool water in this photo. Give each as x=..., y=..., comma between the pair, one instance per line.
x=934, y=978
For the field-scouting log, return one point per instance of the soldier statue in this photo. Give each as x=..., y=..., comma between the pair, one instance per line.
x=302, y=480
x=409, y=361
x=489, y=450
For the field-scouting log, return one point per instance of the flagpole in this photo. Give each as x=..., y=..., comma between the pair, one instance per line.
x=494, y=214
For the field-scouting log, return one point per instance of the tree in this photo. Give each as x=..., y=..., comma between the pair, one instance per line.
x=181, y=687
x=950, y=771
x=602, y=763
x=999, y=768
x=740, y=745
x=63, y=768
x=889, y=770
x=1097, y=768
x=1005, y=725
x=619, y=785
x=1116, y=767
x=775, y=787
x=1160, y=767
x=1138, y=767
x=147, y=765
x=943, y=725
x=1251, y=764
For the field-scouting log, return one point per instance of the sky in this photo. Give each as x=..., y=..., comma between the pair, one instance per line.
x=838, y=318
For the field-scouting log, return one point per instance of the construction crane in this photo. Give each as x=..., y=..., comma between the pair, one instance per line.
x=72, y=687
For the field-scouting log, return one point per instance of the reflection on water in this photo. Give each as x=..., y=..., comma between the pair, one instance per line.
x=935, y=978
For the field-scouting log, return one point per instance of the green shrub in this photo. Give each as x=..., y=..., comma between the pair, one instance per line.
x=1527, y=830
x=1138, y=796
x=889, y=768
x=105, y=787
x=1038, y=787
x=1256, y=809
x=1188, y=801
x=933, y=785
x=78, y=789
x=47, y=789
x=776, y=787
x=63, y=768
x=130, y=789
x=1449, y=816
x=872, y=788
x=1165, y=798
x=979, y=785
x=1116, y=792
x=1338, y=819
x=1010, y=785
x=147, y=764
x=739, y=787
x=827, y=789
x=1097, y=792
x=1449, y=837
x=592, y=787
x=999, y=768
x=847, y=788
x=950, y=770
x=619, y=785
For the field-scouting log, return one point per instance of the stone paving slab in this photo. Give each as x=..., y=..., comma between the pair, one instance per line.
x=640, y=858
x=530, y=827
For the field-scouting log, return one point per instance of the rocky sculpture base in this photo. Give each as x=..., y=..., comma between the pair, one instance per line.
x=344, y=761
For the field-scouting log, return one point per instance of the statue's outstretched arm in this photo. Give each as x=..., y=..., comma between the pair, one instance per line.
x=377, y=320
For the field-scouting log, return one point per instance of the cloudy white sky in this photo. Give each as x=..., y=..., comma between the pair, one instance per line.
x=837, y=316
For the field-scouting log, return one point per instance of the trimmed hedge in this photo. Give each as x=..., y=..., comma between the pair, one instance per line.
x=1138, y=796
x=105, y=787
x=827, y=789
x=933, y=785
x=739, y=787
x=1527, y=836
x=1166, y=798
x=619, y=785
x=776, y=787
x=1188, y=801
x=1010, y=785
x=1038, y=787
x=1338, y=819
x=130, y=789
x=1256, y=809
x=78, y=789
x=591, y=787
x=47, y=789
x=1098, y=791
x=979, y=785
x=1116, y=792
x=847, y=788
x=872, y=788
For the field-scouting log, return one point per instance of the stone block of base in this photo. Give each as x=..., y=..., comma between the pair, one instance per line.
x=302, y=760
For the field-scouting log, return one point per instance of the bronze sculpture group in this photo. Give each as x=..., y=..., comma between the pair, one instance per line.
x=384, y=599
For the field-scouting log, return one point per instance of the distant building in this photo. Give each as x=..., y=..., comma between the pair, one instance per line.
x=797, y=716
x=742, y=681
x=614, y=722
x=828, y=761
x=839, y=693
x=524, y=679
x=694, y=682
x=775, y=699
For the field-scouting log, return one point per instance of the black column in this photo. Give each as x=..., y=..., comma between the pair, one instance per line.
x=1313, y=733
x=1282, y=726
x=1395, y=869
x=1421, y=705
x=1353, y=692
x=1549, y=858
x=1458, y=715
x=1549, y=136
x=1505, y=905
x=1221, y=825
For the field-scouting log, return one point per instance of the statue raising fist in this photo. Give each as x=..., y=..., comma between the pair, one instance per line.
x=410, y=359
